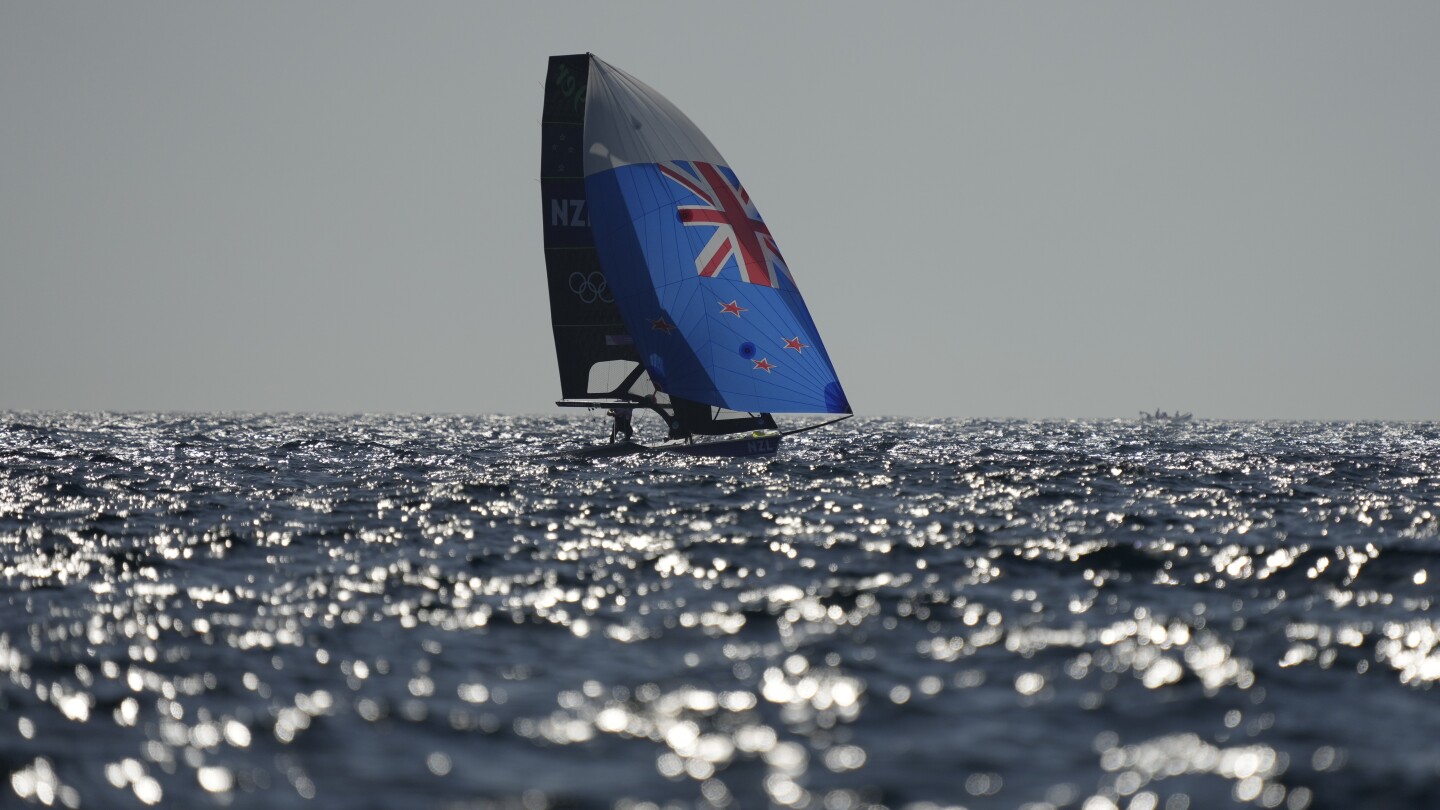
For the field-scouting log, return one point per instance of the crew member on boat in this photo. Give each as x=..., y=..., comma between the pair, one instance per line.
x=621, y=413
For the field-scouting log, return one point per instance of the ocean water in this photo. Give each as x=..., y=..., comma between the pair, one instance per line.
x=380, y=612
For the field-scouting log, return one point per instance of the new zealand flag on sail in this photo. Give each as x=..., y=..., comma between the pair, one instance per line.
x=736, y=230
x=705, y=291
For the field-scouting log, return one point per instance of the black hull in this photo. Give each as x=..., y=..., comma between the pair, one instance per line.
x=763, y=444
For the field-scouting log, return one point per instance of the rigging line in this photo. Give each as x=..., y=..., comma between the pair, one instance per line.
x=813, y=427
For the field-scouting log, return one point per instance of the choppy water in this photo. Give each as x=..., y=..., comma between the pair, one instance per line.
x=330, y=612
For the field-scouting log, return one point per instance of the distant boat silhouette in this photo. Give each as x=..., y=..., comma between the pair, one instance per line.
x=1161, y=416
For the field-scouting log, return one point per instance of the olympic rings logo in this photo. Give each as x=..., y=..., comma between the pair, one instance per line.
x=591, y=288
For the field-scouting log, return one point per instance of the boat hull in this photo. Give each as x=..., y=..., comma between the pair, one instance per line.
x=756, y=444
x=760, y=443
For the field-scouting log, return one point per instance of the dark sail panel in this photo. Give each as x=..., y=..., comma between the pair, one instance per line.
x=592, y=345
x=566, y=84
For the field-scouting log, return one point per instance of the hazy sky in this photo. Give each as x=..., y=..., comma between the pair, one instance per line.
x=993, y=209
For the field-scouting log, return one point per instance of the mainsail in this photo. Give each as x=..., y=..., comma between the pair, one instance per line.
x=593, y=347
x=664, y=278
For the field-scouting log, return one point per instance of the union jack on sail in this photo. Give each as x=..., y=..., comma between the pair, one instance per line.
x=739, y=231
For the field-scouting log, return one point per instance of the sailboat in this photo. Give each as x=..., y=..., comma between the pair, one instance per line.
x=1161, y=416
x=668, y=292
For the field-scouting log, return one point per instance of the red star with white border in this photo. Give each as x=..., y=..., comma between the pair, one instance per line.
x=662, y=325
x=733, y=308
x=794, y=343
x=763, y=365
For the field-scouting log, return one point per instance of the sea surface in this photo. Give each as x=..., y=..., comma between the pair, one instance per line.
x=291, y=611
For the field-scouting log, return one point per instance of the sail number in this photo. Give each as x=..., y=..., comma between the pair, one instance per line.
x=755, y=447
x=568, y=212
x=570, y=87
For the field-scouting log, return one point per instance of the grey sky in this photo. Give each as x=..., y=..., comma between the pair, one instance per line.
x=1036, y=210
